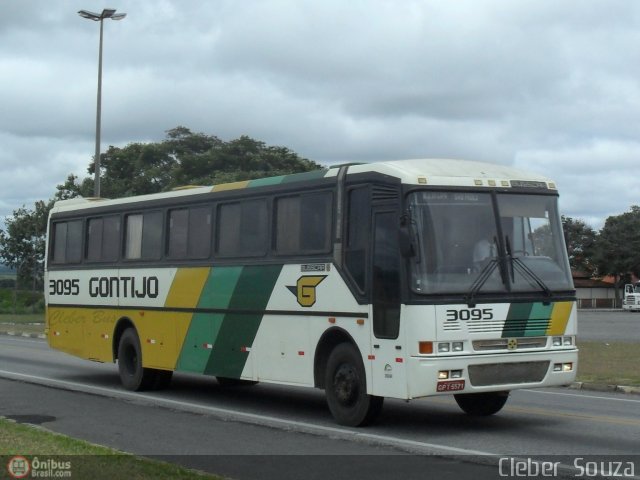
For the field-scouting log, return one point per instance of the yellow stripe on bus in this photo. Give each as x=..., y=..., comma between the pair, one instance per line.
x=185, y=292
x=559, y=318
x=230, y=186
x=186, y=287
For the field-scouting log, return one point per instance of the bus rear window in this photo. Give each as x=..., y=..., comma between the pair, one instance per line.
x=67, y=242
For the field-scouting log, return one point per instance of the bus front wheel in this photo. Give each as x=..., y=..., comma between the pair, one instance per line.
x=132, y=374
x=346, y=388
x=481, y=404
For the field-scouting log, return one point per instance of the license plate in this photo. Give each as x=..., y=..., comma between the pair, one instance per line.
x=450, y=386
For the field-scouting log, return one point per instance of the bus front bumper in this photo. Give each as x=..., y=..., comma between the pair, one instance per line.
x=488, y=373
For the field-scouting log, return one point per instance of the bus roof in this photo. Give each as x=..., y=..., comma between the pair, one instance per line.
x=452, y=172
x=433, y=172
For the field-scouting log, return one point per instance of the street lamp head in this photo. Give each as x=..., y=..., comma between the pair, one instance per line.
x=106, y=13
x=89, y=15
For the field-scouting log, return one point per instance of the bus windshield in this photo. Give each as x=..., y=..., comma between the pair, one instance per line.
x=476, y=242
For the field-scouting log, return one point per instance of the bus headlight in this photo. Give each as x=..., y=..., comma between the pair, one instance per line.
x=563, y=367
x=557, y=341
x=567, y=341
x=457, y=346
x=444, y=347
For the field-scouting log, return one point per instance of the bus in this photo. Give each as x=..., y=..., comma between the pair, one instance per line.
x=400, y=279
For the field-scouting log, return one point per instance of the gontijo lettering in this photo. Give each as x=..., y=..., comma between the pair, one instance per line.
x=123, y=287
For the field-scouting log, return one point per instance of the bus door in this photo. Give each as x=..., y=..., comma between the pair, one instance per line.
x=387, y=355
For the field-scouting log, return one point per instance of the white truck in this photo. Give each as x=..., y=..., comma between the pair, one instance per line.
x=631, y=299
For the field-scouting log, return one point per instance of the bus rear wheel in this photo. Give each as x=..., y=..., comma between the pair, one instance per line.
x=346, y=388
x=481, y=404
x=132, y=374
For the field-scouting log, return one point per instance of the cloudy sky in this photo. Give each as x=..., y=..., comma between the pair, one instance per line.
x=546, y=85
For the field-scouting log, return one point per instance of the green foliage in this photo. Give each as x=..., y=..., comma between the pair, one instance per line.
x=21, y=301
x=184, y=158
x=617, y=249
x=22, y=245
x=580, y=239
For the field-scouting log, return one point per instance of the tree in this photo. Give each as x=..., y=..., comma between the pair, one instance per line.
x=618, y=245
x=22, y=245
x=580, y=239
x=184, y=158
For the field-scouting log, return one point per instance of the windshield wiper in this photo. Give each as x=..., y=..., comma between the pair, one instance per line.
x=485, y=273
x=482, y=278
x=526, y=272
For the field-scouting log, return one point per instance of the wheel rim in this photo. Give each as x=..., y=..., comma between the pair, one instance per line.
x=346, y=385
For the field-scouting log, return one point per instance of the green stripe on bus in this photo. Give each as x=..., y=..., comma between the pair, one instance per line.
x=238, y=330
x=527, y=320
x=539, y=320
x=299, y=177
x=204, y=327
x=262, y=182
x=516, y=323
x=294, y=177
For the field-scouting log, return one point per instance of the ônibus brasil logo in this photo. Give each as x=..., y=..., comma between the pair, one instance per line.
x=18, y=467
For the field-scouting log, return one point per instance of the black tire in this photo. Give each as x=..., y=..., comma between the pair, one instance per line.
x=481, y=404
x=235, y=382
x=132, y=375
x=346, y=388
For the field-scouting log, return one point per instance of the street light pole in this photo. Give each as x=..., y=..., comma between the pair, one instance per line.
x=106, y=13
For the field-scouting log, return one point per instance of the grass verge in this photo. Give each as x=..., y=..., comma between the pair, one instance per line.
x=609, y=363
x=22, y=323
x=22, y=318
x=86, y=460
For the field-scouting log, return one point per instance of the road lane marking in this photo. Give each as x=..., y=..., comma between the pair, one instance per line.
x=596, y=418
x=586, y=395
x=256, y=418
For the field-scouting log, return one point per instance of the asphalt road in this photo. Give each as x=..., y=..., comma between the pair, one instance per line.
x=251, y=432
x=607, y=326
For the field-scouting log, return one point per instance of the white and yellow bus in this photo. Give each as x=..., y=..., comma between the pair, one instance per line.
x=399, y=279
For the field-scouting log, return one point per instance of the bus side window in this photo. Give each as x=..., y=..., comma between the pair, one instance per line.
x=303, y=224
x=189, y=232
x=144, y=236
x=358, y=235
x=242, y=229
x=386, y=276
x=67, y=243
x=199, y=238
x=103, y=239
x=178, y=228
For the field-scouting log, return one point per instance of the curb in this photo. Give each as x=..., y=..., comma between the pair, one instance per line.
x=24, y=334
x=599, y=387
